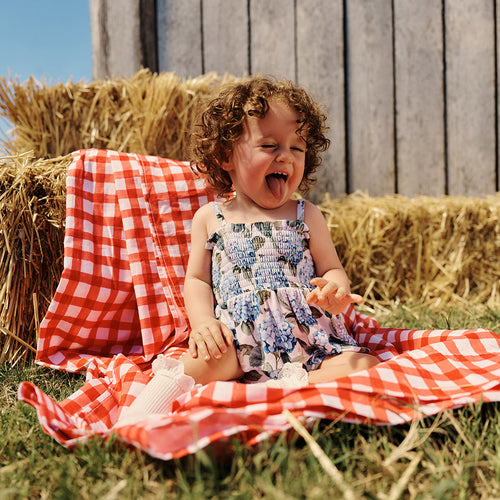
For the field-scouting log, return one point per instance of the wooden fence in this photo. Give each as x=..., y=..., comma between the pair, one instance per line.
x=410, y=86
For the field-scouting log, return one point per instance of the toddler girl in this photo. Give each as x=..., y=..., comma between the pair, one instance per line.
x=264, y=282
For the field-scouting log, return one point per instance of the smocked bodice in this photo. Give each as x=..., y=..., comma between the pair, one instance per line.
x=260, y=256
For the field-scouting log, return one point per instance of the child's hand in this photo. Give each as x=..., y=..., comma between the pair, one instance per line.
x=330, y=297
x=210, y=339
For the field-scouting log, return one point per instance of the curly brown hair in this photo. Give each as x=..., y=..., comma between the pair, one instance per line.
x=220, y=124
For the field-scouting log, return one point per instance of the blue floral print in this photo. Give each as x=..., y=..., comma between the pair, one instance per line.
x=261, y=274
x=229, y=287
x=301, y=308
x=305, y=271
x=289, y=246
x=285, y=340
x=320, y=338
x=269, y=275
x=241, y=251
x=245, y=307
x=216, y=274
x=276, y=336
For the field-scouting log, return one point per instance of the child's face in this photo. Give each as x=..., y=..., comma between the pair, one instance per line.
x=267, y=162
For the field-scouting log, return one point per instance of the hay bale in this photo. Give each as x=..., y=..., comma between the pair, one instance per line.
x=32, y=216
x=439, y=252
x=146, y=114
x=434, y=251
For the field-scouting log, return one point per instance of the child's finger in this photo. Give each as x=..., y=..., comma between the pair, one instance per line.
x=341, y=293
x=211, y=343
x=356, y=298
x=202, y=349
x=319, y=282
x=312, y=296
x=228, y=334
x=193, y=348
x=216, y=341
x=322, y=289
x=217, y=338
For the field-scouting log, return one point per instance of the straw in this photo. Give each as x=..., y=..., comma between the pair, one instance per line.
x=435, y=251
x=440, y=252
x=145, y=114
x=32, y=214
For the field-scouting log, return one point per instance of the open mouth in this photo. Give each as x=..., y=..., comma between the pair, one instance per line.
x=276, y=183
x=281, y=176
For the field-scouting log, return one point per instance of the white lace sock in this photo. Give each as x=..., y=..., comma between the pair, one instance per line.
x=291, y=375
x=168, y=383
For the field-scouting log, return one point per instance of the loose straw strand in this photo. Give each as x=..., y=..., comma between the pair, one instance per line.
x=323, y=459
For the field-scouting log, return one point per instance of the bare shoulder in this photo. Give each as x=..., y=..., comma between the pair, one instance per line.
x=204, y=220
x=313, y=215
x=321, y=244
x=203, y=213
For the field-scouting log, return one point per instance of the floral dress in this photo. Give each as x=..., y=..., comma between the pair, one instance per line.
x=261, y=274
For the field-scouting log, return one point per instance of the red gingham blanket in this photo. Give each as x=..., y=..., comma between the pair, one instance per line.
x=119, y=304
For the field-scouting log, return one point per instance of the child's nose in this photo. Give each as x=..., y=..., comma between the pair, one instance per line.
x=284, y=156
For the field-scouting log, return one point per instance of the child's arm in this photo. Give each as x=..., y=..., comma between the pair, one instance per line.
x=332, y=292
x=209, y=337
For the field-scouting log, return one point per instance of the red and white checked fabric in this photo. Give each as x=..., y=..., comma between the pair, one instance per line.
x=126, y=247
x=119, y=304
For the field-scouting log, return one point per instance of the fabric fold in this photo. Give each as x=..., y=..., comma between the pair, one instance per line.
x=119, y=305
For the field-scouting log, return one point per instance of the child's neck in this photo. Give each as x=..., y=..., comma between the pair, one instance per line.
x=237, y=210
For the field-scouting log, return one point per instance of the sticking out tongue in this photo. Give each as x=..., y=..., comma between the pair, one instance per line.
x=276, y=184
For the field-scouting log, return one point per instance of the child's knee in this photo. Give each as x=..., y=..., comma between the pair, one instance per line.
x=341, y=365
x=204, y=372
x=367, y=361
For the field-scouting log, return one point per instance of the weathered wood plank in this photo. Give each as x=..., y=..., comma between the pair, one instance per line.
x=272, y=38
x=302, y=40
x=179, y=37
x=116, y=43
x=371, y=102
x=470, y=77
x=320, y=69
x=97, y=15
x=148, y=33
x=225, y=34
x=420, y=126
x=497, y=173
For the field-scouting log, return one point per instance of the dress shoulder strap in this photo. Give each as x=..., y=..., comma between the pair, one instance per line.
x=218, y=212
x=300, y=209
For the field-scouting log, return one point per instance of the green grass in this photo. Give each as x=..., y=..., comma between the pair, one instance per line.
x=453, y=455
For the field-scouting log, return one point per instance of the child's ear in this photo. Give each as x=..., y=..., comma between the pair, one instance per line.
x=225, y=159
x=227, y=166
x=227, y=163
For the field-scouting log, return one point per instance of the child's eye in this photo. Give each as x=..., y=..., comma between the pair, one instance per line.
x=268, y=146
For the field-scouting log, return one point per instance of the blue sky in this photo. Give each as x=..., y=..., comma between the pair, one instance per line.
x=49, y=39
x=45, y=38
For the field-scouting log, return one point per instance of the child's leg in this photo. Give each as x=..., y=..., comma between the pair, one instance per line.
x=343, y=364
x=204, y=372
x=175, y=377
